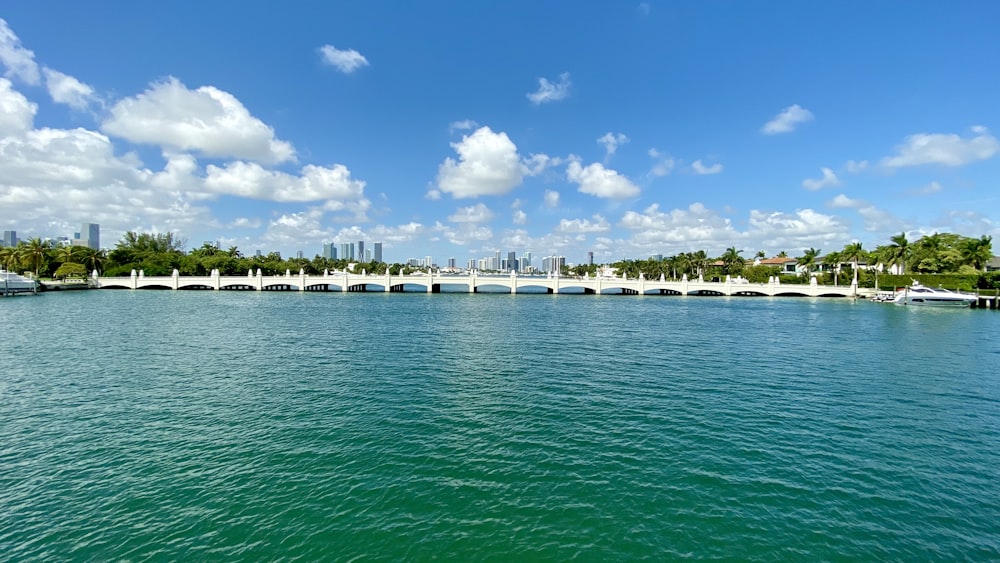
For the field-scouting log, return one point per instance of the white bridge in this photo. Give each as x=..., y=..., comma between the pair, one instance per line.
x=473, y=282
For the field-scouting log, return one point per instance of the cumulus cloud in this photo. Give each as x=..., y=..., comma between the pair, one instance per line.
x=699, y=168
x=804, y=227
x=943, y=149
x=65, y=89
x=488, y=165
x=598, y=225
x=17, y=114
x=346, y=60
x=844, y=202
x=551, y=198
x=599, y=181
x=478, y=213
x=20, y=62
x=207, y=120
x=664, y=163
x=520, y=217
x=611, y=142
x=249, y=179
x=786, y=121
x=828, y=179
x=550, y=91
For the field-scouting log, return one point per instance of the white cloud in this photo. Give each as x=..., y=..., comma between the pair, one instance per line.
x=787, y=120
x=699, y=168
x=207, y=120
x=17, y=114
x=550, y=91
x=65, y=89
x=828, y=179
x=538, y=163
x=398, y=234
x=464, y=125
x=599, y=181
x=551, y=198
x=844, y=202
x=944, y=149
x=802, y=228
x=611, y=142
x=478, y=213
x=664, y=163
x=248, y=179
x=856, y=167
x=488, y=165
x=245, y=223
x=20, y=62
x=598, y=225
x=520, y=217
x=433, y=194
x=680, y=229
x=346, y=61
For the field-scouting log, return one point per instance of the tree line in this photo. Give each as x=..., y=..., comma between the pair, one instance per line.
x=159, y=254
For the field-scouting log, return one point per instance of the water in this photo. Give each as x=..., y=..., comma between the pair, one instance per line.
x=218, y=425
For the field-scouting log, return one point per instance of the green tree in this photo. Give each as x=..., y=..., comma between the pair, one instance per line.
x=854, y=253
x=70, y=270
x=34, y=253
x=732, y=262
x=832, y=261
x=977, y=252
x=897, y=252
x=808, y=260
x=9, y=258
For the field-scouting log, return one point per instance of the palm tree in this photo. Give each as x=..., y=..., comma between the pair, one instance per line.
x=732, y=262
x=833, y=259
x=699, y=261
x=782, y=254
x=854, y=253
x=977, y=252
x=8, y=257
x=34, y=253
x=66, y=254
x=93, y=259
x=808, y=259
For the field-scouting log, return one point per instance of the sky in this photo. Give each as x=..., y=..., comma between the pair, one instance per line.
x=453, y=129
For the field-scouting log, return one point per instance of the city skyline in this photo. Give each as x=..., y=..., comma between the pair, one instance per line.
x=689, y=126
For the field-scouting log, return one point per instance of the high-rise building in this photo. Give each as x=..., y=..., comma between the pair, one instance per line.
x=472, y=264
x=10, y=238
x=300, y=254
x=526, y=261
x=451, y=262
x=553, y=264
x=329, y=251
x=512, y=261
x=428, y=262
x=91, y=235
x=347, y=251
x=257, y=254
x=590, y=258
x=361, y=250
x=496, y=262
x=378, y=252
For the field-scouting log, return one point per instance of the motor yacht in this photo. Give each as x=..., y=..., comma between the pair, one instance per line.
x=917, y=294
x=11, y=283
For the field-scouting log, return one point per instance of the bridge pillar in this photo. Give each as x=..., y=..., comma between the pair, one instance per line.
x=472, y=281
x=388, y=281
x=430, y=281
x=302, y=280
x=343, y=283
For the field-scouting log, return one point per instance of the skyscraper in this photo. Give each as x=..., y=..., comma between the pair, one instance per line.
x=91, y=235
x=590, y=258
x=378, y=252
x=329, y=251
x=512, y=261
x=10, y=238
x=361, y=250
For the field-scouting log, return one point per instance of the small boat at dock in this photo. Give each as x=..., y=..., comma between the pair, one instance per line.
x=12, y=284
x=917, y=294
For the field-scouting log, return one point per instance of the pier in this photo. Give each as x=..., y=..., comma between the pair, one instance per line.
x=473, y=282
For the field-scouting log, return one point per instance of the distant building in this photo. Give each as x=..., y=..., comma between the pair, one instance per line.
x=553, y=264
x=451, y=262
x=590, y=258
x=361, y=250
x=378, y=252
x=329, y=251
x=300, y=254
x=10, y=238
x=512, y=261
x=347, y=251
x=257, y=254
x=93, y=233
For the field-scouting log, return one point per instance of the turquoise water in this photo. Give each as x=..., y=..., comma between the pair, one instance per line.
x=245, y=426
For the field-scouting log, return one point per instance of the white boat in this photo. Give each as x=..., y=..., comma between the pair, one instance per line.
x=917, y=294
x=11, y=283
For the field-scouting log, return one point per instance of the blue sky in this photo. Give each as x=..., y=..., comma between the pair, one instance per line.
x=454, y=129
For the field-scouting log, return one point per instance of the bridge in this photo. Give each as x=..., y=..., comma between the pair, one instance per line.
x=473, y=282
